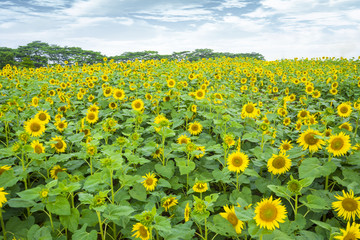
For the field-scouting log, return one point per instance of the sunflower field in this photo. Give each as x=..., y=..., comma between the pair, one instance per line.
x=224, y=148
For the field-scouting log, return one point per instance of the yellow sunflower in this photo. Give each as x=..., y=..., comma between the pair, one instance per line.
x=162, y=121
x=310, y=139
x=61, y=125
x=285, y=146
x=43, y=116
x=200, y=187
x=303, y=114
x=55, y=170
x=187, y=212
x=269, y=213
x=60, y=145
x=237, y=162
x=38, y=147
x=92, y=117
x=169, y=202
x=249, y=110
x=230, y=215
x=137, y=105
x=348, y=206
x=183, y=139
x=141, y=231
x=34, y=127
x=344, y=109
x=286, y=121
x=150, y=181
x=352, y=232
x=2, y=197
x=195, y=128
x=200, y=94
x=279, y=164
x=4, y=169
x=347, y=126
x=339, y=144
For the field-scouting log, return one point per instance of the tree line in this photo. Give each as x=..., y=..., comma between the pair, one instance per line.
x=40, y=54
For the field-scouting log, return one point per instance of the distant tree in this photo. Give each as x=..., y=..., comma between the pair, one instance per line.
x=7, y=56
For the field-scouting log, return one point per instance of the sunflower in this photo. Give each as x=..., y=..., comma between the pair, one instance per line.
x=38, y=147
x=229, y=140
x=286, y=121
x=137, y=105
x=348, y=206
x=4, y=169
x=195, y=128
x=230, y=215
x=200, y=94
x=193, y=108
x=200, y=187
x=150, y=181
x=249, y=110
x=55, y=170
x=303, y=114
x=169, y=202
x=61, y=125
x=43, y=116
x=34, y=127
x=187, y=212
x=94, y=108
x=35, y=101
x=107, y=91
x=162, y=121
x=269, y=213
x=2, y=197
x=60, y=144
x=351, y=232
x=202, y=151
x=316, y=94
x=237, y=162
x=112, y=105
x=92, y=117
x=309, y=139
x=285, y=146
x=279, y=164
x=183, y=139
x=171, y=83
x=333, y=91
x=141, y=231
x=344, y=109
x=347, y=126
x=339, y=144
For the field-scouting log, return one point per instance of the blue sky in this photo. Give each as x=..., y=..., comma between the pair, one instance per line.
x=275, y=28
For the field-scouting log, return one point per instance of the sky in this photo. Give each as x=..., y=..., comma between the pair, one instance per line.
x=277, y=29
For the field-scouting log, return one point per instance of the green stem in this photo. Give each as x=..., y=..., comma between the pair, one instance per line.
x=163, y=149
x=2, y=224
x=262, y=143
x=91, y=166
x=237, y=181
x=206, y=230
x=327, y=176
x=296, y=204
x=100, y=225
x=7, y=133
x=112, y=200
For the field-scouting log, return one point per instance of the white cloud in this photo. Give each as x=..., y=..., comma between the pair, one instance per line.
x=232, y=4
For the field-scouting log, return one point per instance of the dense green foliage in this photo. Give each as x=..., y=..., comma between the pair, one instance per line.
x=40, y=54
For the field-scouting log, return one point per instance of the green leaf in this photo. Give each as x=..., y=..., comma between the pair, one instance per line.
x=43, y=233
x=354, y=159
x=222, y=226
x=162, y=224
x=114, y=212
x=61, y=206
x=184, y=167
x=280, y=191
x=76, y=137
x=167, y=132
x=310, y=167
x=315, y=202
x=180, y=231
x=244, y=215
x=322, y=224
x=306, y=181
x=20, y=203
x=223, y=175
x=82, y=234
x=166, y=171
x=71, y=221
x=85, y=198
x=30, y=194
x=163, y=183
x=138, y=192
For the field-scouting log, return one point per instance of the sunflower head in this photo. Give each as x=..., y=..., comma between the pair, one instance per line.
x=34, y=127
x=237, y=162
x=269, y=213
x=230, y=215
x=150, y=181
x=195, y=128
x=339, y=144
x=310, y=139
x=279, y=164
x=200, y=187
x=347, y=206
x=344, y=109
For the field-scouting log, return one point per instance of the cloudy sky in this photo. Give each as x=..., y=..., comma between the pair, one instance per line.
x=275, y=28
